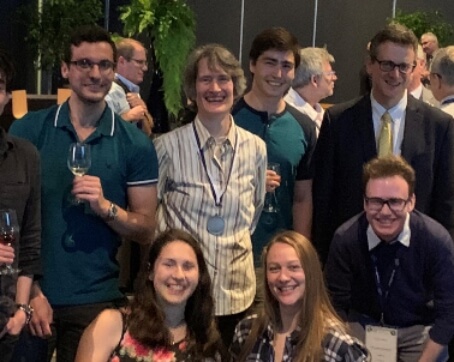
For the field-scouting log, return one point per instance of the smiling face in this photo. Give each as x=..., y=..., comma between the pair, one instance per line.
x=273, y=73
x=386, y=223
x=388, y=88
x=175, y=274
x=285, y=276
x=89, y=85
x=214, y=91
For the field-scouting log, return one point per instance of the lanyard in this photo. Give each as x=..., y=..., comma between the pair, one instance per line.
x=447, y=101
x=383, y=291
x=217, y=198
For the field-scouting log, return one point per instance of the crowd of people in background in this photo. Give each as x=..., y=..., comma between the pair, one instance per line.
x=276, y=228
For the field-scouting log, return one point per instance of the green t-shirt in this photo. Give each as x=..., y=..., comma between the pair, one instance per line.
x=290, y=140
x=79, y=248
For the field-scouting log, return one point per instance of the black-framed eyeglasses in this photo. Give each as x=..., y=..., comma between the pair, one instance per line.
x=140, y=62
x=389, y=66
x=377, y=203
x=86, y=64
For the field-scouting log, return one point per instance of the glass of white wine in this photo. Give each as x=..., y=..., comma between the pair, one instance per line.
x=9, y=230
x=79, y=160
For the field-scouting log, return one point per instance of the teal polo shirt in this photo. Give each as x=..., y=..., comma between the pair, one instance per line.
x=290, y=141
x=79, y=248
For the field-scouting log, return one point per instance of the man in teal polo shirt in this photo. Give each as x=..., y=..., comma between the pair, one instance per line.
x=289, y=135
x=117, y=196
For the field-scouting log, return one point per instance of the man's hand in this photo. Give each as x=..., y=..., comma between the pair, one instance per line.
x=6, y=254
x=134, y=100
x=147, y=124
x=136, y=113
x=88, y=188
x=42, y=316
x=16, y=323
x=273, y=180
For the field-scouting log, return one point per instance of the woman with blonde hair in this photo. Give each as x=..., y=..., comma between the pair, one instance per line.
x=298, y=322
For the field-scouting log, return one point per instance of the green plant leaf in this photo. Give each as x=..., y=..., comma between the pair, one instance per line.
x=424, y=21
x=170, y=24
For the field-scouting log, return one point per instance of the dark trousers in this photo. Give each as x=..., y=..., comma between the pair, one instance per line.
x=67, y=328
x=226, y=326
x=7, y=343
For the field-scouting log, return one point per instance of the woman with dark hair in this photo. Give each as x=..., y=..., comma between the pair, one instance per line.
x=171, y=317
x=298, y=322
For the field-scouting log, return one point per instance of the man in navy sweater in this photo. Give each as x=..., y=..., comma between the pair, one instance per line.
x=393, y=267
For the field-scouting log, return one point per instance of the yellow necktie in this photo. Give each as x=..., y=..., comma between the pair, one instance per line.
x=385, y=139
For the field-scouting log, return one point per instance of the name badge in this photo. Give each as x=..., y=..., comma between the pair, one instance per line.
x=382, y=343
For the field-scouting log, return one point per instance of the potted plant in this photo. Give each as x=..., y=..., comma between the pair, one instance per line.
x=170, y=26
x=424, y=21
x=50, y=26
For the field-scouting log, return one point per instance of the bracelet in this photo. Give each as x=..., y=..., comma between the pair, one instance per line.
x=28, y=310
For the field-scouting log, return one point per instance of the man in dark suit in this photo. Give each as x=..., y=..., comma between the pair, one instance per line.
x=351, y=133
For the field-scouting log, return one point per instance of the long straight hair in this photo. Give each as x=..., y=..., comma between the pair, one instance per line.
x=316, y=312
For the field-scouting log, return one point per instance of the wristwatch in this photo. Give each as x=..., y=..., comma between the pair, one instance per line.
x=28, y=310
x=112, y=213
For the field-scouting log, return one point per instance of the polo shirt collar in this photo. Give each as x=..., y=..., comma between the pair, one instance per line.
x=131, y=86
x=264, y=114
x=105, y=127
x=404, y=237
x=205, y=137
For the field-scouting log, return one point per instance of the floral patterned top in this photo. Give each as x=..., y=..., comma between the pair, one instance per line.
x=131, y=350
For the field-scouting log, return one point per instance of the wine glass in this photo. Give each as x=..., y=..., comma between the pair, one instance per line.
x=271, y=203
x=79, y=160
x=9, y=230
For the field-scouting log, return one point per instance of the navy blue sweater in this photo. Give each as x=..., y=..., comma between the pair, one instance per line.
x=423, y=287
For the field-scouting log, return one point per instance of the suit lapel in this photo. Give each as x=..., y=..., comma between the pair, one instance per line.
x=414, y=130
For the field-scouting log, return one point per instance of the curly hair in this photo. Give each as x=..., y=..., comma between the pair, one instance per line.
x=389, y=166
x=146, y=321
x=88, y=34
